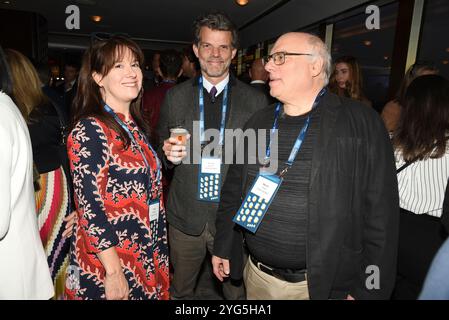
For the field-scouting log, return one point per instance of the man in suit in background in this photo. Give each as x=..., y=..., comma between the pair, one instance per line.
x=259, y=77
x=67, y=89
x=192, y=220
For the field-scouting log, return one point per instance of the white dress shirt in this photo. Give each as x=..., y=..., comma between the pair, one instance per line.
x=219, y=86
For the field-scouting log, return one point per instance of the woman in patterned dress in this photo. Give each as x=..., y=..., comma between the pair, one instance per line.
x=119, y=248
x=53, y=193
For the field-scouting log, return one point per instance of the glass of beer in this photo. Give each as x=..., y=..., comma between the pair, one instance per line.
x=180, y=134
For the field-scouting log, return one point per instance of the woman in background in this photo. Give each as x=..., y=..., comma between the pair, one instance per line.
x=392, y=110
x=120, y=246
x=24, y=271
x=422, y=158
x=53, y=192
x=347, y=80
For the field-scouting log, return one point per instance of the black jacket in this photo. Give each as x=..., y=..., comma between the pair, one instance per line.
x=181, y=105
x=353, y=204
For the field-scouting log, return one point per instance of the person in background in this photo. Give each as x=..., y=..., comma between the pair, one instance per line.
x=24, y=272
x=392, y=110
x=169, y=69
x=422, y=159
x=335, y=211
x=259, y=77
x=44, y=75
x=347, y=81
x=190, y=64
x=119, y=248
x=53, y=195
x=67, y=89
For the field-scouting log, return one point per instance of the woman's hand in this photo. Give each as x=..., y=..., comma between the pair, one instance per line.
x=71, y=220
x=116, y=286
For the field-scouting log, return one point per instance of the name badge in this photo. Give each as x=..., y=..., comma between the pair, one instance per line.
x=209, y=180
x=154, y=210
x=257, y=201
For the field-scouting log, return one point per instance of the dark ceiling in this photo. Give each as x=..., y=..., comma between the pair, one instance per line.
x=168, y=23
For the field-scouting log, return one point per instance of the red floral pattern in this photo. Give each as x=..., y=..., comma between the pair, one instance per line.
x=110, y=185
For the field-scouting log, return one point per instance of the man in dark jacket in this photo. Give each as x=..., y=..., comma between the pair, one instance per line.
x=224, y=103
x=330, y=229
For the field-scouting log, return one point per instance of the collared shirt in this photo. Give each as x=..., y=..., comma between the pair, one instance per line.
x=219, y=86
x=69, y=86
x=257, y=81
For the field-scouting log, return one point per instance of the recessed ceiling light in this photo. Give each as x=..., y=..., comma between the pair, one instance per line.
x=367, y=43
x=447, y=49
x=445, y=61
x=6, y=2
x=96, y=18
x=242, y=2
x=385, y=57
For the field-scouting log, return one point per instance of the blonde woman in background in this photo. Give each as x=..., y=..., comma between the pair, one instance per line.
x=23, y=269
x=53, y=196
x=347, y=81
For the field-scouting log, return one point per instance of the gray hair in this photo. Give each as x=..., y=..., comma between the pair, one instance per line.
x=215, y=21
x=320, y=50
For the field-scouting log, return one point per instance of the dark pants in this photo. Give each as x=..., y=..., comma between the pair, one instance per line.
x=420, y=237
x=187, y=254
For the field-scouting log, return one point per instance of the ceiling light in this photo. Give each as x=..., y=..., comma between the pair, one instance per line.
x=385, y=57
x=242, y=2
x=445, y=61
x=447, y=49
x=367, y=43
x=96, y=18
x=6, y=2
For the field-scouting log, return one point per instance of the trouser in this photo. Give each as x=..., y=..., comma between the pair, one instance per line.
x=420, y=237
x=187, y=254
x=262, y=286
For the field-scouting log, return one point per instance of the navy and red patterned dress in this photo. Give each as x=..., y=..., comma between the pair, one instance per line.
x=110, y=186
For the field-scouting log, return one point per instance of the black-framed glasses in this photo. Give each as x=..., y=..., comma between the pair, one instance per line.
x=279, y=57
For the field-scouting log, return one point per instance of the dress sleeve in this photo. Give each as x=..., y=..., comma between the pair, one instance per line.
x=89, y=164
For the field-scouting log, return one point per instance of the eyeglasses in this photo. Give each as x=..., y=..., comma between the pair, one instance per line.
x=279, y=57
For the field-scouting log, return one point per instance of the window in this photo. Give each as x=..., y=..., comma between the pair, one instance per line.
x=372, y=48
x=434, y=42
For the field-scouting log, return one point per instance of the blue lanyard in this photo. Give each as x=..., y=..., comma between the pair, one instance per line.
x=301, y=135
x=223, y=112
x=131, y=136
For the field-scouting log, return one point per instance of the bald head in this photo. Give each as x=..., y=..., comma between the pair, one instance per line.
x=308, y=43
x=257, y=71
x=297, y=76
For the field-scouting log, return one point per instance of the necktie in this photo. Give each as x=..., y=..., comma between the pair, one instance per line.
x=212, y=93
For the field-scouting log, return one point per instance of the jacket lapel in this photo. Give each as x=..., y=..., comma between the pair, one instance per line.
x=330, y=106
